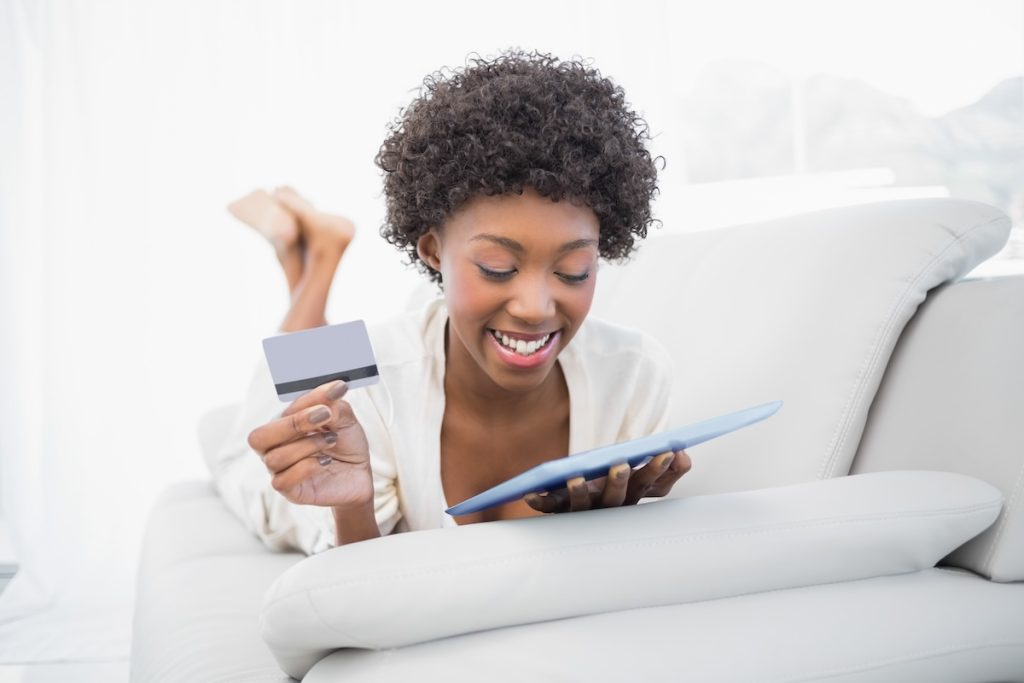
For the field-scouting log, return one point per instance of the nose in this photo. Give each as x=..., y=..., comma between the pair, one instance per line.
x=532, y=301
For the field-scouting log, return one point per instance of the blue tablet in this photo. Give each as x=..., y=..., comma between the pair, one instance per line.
x=595, y=463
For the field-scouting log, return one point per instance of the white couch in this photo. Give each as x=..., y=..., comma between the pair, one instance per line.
x=871, y=530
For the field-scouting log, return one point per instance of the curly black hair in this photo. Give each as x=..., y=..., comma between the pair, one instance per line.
x=519, y=119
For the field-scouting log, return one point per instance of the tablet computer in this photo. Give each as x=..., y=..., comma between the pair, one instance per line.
x=595, y=463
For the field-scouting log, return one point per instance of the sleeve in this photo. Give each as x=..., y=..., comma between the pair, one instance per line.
x=386, y=506
x=244, y=484
x=650, y=402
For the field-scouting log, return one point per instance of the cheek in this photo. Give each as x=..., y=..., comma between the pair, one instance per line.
x=579, y=304
x=466, y=299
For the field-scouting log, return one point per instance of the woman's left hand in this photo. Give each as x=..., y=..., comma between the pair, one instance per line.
x=622, y=486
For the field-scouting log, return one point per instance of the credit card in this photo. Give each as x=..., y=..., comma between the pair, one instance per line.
x=303, y=360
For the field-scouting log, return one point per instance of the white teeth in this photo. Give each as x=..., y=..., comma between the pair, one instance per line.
x=521, y=347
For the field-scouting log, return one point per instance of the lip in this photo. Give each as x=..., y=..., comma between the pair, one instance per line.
x=513, y=359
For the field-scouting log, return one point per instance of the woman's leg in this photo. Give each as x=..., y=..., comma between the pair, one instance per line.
x=309, y=245
x=324, y=238
x=279, y=225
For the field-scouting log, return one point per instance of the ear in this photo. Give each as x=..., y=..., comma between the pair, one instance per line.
x=428, y=246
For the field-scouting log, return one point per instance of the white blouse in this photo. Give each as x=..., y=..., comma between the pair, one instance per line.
x=619, y=381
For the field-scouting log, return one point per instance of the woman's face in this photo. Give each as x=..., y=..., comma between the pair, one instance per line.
x=522, y=265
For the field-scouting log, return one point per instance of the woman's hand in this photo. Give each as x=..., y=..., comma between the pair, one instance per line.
x=622, y=486
x=317, y=451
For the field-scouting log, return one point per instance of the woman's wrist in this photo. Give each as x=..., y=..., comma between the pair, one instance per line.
x=354, y=523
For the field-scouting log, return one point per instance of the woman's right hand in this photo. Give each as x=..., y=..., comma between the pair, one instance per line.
x=317, y=426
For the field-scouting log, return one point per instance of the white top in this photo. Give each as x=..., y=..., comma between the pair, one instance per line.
x=619, y=381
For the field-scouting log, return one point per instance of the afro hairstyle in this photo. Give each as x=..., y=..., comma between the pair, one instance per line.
x=518, y=119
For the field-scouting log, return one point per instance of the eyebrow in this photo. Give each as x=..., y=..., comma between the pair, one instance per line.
x=512, y=245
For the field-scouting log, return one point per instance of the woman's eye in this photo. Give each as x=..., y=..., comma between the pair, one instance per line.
x=496, y=274
x=575, y=278
x=504, y=275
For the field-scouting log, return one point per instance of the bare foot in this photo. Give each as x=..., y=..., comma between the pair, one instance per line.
x=321, y=232
x=261, y=211
x=279, y=225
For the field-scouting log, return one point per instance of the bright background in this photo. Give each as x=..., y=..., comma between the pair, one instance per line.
x=131, y=302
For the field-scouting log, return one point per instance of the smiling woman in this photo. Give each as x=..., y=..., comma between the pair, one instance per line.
x=505, y=183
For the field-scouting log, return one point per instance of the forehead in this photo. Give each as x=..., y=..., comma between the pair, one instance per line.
x=526, y=222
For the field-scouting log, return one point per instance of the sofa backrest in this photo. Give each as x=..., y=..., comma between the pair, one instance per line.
x=805, y=309
x=952, y=399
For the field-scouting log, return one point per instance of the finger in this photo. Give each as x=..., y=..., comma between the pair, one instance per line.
x=681, y=464
x=289, y=482
x=614, y=493
x=325, y=393
x=285, y=429
x=281, y=458
x=579, y=494
x=554, y=501
x=643, y=478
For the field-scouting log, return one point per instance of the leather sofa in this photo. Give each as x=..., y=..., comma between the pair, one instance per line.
x=871, y=530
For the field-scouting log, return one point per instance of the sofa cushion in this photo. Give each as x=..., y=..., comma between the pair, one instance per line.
x=413, y=587
x=804, y=309
x=904, y=628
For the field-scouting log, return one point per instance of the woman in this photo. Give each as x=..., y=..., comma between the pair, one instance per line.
x=505, y=183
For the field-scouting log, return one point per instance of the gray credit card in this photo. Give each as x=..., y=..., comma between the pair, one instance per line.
x=303, y=360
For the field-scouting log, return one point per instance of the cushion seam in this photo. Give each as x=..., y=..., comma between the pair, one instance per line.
x=312, y=605
x=907, y=657
x=841, y=432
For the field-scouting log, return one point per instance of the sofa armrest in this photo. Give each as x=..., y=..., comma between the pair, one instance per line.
x=418, y=586
x=951, y=400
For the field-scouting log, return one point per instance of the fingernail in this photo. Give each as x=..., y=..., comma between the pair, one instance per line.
x=337, y=390
x=331, y=438
x=319, y=415
x=668, y=461
x=622, y=474
x=324, y=459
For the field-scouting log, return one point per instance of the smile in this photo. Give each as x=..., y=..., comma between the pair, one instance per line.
x=521, y=353
x=521, y=346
